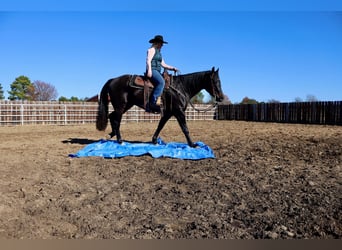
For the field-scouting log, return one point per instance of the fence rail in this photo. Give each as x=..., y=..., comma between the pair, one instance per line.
x=329, y=113
x=68, y=113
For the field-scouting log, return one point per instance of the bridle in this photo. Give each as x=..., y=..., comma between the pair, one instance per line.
x=211, y=107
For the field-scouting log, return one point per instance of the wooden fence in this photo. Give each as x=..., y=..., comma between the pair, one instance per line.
x=69, y=113
x=65, y=113
x=329, y=113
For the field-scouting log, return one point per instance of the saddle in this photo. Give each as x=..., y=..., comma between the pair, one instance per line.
x=142, y=82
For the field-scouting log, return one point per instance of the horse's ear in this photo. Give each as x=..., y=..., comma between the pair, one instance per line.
x=217, y=70
x=213, y=69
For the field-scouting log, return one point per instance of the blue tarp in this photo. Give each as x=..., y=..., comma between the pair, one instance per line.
x=113, y=149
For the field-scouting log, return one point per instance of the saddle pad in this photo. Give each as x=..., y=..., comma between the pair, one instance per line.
x=113, y=149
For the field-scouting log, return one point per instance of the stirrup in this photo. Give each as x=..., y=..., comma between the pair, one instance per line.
x=154, y=108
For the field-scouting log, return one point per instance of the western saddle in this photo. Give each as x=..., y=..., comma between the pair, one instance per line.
x=145, y=83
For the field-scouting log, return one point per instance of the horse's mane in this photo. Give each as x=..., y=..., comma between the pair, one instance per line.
x=192, y=77
x=195, y=74
x=189, y=83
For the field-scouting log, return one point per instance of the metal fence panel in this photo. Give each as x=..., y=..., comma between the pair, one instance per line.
x=65, y=113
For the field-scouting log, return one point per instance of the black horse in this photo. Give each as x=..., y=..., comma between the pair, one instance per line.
x=175, y=100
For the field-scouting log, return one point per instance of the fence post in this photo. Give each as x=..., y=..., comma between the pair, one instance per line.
x=22, y=114
x=65, y=115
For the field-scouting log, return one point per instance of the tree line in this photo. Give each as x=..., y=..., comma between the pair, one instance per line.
x=309, y=98
x=23, y=89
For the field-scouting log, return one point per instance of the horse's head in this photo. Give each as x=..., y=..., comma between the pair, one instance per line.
x=214, y=89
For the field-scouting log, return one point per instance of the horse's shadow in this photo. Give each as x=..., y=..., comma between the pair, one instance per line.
x=81, y=141
x=85, y=141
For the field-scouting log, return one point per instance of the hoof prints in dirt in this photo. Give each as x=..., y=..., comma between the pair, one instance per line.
x=273, y=181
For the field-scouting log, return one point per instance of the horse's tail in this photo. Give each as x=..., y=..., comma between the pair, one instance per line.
x=102, y=112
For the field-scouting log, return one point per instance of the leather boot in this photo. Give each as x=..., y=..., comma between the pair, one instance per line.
x=152, y=106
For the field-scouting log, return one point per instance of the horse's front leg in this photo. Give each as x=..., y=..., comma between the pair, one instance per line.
x=166, y=116
x=182, y=123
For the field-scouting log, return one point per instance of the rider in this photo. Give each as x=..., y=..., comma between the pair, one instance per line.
x=154, y=63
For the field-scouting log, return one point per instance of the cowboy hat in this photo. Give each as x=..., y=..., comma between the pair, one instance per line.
x=157, y=38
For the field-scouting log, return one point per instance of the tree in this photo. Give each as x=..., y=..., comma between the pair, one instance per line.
x=63, y=99
x=211, y=100
x=298, y=99
x=226, y=100
x=20, y=88
x=311, y=98
x=74, y=99
x=42, y=91
x=71, y=99
x=198, y=98
x=273, y=101
x=1, y=93
x=247, y=100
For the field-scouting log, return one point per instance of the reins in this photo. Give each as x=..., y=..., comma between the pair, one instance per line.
x=211, y=107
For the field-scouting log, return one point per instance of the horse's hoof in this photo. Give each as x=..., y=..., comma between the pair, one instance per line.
x=120, y=141
x=110, y=136
x=154, y=140
x=193, y=145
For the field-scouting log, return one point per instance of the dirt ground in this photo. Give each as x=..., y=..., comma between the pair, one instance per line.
x=268, y=180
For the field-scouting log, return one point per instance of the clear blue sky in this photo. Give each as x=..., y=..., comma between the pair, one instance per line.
x=265, y=49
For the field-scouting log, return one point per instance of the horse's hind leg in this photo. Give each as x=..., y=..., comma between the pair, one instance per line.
x=111, y=119
x=115, y=120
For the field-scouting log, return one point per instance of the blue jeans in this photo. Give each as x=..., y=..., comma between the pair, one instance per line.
x=159, y=83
